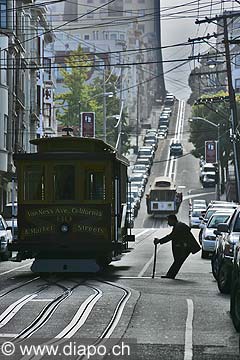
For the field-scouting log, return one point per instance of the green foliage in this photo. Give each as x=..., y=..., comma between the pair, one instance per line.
x=84, y=97
x=200, y=131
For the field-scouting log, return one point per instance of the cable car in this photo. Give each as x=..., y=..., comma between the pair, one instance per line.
x=72, y=204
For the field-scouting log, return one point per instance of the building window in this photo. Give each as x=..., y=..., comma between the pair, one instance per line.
x=237, y=61
x=86, y=37
x=5, y=131
x=3, y=67
x=141, y=12
x=3, y=14
x=113, y=36
x=237, y=85
x=141, y=28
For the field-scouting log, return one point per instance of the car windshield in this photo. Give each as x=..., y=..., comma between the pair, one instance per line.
x=209, y=213
x=176, y=145
x=217, y=219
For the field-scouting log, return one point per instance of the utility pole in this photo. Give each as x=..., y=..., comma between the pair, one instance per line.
x=104, y=106
x=232, y=99
x=138, y=115
x=233, y=108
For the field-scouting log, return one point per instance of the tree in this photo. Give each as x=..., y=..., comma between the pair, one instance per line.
x=83, y=96
x=200, y=131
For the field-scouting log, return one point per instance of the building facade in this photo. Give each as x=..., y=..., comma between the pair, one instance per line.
x=21, y=23
x=126, y=34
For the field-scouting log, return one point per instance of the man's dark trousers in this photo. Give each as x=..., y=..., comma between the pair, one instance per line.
x=180, y=254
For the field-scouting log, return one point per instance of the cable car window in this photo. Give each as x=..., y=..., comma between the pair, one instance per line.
x=96, y=186
x=64, y=182
x=34, y=183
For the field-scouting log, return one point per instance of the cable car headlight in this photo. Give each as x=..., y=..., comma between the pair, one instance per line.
x=64, y=228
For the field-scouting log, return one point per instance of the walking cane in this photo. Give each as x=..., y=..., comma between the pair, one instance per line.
x=154, y=261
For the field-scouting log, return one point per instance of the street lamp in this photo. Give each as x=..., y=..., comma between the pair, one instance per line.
x=218, y=148
x=118, y=125
x=105, y=95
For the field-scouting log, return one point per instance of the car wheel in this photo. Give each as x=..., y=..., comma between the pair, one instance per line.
x=200, y=236
x=224, y=279
x=204, y=254
x=235, y=305
x=215, y=266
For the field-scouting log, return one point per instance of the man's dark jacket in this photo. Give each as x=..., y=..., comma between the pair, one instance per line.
x=182, y=239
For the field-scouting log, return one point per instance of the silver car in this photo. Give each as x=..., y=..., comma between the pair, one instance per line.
x=208, y=235
x=5, y=239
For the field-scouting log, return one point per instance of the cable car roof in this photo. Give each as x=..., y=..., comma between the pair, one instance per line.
x=73, y=146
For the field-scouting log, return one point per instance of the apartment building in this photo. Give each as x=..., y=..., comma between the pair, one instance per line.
x=21, y=24
x=124, y=34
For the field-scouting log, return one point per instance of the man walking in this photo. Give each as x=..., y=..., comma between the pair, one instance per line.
x=183, y=243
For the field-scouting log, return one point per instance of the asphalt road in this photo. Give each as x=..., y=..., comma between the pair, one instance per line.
x=159, y=319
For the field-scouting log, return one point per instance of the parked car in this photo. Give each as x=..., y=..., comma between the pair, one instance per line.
x=132, y=205
x=235, y=288
x=163, y=128
x=197, y=203
x=227, y=237
x=151, y=142
x=146, y=151
x=206, y=168
x=167, y=110
x=134, y=193
x=140, y=185
x=152, y=130
x=144, y=161
x=141, y=169
x=162, y=135
x=208, y=240
x=209, y=179
x=140, y=177
x=5, y=239
x=130, y=218
x=169, y=99
x=176, y=149
x=194, y=219
x=14, y=227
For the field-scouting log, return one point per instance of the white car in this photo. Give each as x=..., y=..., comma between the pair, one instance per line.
x=5, y=239
x=208, y=238
x=194, y=218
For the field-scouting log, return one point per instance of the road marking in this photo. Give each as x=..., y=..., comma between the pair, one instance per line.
x=147, y=265
x=141, y=233
x=197, y=195
x=5, y=335
x=19, y=267
x=188, y=348
x=13, y=309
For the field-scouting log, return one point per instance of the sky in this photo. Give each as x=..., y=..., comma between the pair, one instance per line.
x=177, y=25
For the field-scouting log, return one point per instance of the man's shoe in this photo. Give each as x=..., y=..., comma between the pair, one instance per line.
x=167, y=277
